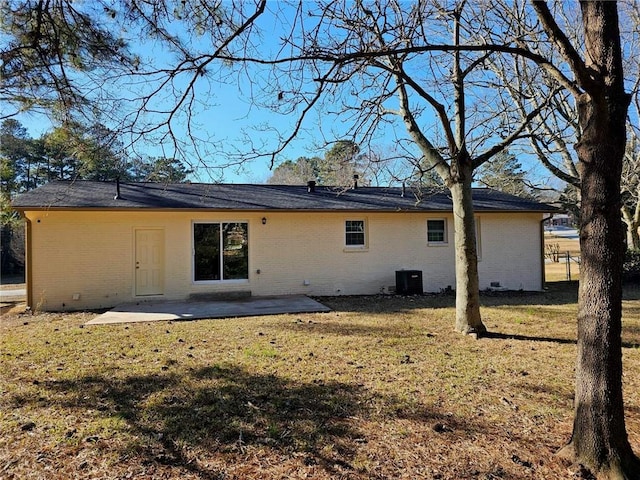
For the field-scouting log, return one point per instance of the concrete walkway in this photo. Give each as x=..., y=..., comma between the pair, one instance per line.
x=192, y=310
x=14, y=294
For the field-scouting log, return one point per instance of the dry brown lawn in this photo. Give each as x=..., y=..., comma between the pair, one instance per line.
x=558, y=271
x=380, y=388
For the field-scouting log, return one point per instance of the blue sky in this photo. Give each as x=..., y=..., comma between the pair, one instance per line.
x=229, y=111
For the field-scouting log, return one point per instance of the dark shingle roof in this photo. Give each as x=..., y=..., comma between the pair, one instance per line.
x=88, y=195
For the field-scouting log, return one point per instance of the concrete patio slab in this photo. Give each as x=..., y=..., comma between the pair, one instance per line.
x=13, y=295
x=192, y=310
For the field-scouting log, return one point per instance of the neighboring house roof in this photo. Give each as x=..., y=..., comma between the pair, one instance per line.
x=89, y=195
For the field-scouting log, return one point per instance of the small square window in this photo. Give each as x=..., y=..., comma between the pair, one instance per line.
x=354, y=233
x=436, y=231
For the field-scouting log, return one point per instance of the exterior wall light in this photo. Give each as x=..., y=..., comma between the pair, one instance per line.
x=264, y=220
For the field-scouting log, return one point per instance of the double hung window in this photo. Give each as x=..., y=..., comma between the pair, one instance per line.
x=436, y=231
x=355, y=233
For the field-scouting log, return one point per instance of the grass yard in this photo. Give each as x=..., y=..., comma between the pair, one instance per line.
x=380, y=388
x=557, y=271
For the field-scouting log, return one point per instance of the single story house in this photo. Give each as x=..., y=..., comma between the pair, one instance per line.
x=97, y=244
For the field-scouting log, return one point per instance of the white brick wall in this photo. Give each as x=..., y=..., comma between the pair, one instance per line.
x=511, y=251
x=92, y=254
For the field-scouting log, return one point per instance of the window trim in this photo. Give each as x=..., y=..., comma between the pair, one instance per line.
x=365, y=235
x=445, y=240
x=221, y=257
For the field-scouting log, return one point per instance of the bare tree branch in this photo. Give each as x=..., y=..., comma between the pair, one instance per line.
x=566, y=49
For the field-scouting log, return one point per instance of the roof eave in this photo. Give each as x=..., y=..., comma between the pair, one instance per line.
x=266, y=209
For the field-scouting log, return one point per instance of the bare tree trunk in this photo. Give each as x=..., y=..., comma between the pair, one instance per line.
x=468, y=320
x=599, y=439
x=634, y=238
x=632, y=224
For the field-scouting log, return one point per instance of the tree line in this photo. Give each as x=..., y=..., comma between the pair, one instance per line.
x=73, y=153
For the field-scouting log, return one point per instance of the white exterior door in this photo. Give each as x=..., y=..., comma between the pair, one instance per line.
x=149, y=270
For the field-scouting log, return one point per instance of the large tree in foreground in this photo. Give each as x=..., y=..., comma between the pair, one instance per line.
x=599, y=439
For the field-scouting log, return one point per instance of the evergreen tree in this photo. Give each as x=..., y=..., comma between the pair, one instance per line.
x=161, y=169
x=504, y=173
x=338, y=167
x=297, y=172
x=14, y=154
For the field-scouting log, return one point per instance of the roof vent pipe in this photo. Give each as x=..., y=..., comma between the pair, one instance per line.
x=117, y=197
x=355, y=181
x=311, y=186
x=403, y=192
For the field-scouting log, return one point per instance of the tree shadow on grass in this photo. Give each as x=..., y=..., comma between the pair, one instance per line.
x=224, y=410
x=528, y=338
x=560, y=293
x=630, y=335
x=555, y=293
x=631, y=290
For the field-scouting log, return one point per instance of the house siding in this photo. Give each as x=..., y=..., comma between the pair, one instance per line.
x=511, y=251
x=90, y=255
